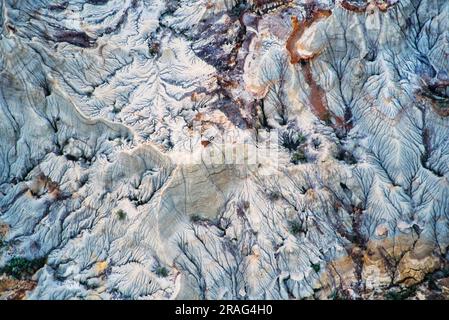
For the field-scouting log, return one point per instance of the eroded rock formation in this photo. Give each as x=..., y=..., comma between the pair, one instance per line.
x=224, y=149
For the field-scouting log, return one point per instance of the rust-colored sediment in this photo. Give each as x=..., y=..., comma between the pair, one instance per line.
x=317, y=96
x=13, y=289
x=205, y=143
x=42, y=182
x=293, y=39
x=4, y=229
x=298, y=30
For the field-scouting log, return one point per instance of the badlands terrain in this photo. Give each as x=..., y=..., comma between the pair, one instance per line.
x=224, y=149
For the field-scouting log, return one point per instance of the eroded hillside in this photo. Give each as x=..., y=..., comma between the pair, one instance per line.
x=223, y=149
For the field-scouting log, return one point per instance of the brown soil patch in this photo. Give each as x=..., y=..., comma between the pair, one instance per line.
x=12, y=289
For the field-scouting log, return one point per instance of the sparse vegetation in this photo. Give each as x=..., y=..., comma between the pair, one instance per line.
x=445, y=272
x=298, y=157
x=295, y=142
x=162, y=271
x=346, y=156
x=195, y=218
x=401, y=294
x=292, y=141
x=238, y=8
x=115, y=109
x=295, y=227
x=274, y=195
x=316, y=267
x=121, y=215
x=22, y=268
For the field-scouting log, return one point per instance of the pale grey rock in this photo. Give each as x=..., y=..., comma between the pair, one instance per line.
x=111, y=113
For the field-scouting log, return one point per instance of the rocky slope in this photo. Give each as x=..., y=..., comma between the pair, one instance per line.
x=224, y=149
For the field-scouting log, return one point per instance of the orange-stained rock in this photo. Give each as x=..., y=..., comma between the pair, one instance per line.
x=13, y=289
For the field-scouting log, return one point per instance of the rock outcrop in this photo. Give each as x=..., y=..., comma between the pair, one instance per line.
x=224, y=149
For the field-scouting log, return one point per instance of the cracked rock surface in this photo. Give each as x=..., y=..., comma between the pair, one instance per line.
x=117, y=119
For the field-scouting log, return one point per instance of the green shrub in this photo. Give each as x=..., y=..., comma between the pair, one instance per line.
x=295, y=227
x=301, y=138
x=402, y=294
x=195, y=218
x=274, y=195
x=316, y=267
x=238, y=8
x=21, y=268
x=298, y=157
x=161, y=271
x=292, y=140
x=445, y=272
x=121, y=214
x=116, y=110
